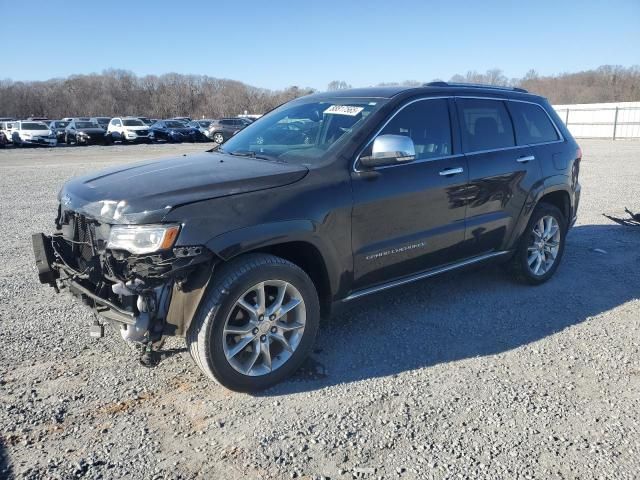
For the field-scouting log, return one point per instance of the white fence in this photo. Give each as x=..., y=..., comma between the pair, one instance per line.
x=602, y=120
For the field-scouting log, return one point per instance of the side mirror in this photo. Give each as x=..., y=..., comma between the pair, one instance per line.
x=389, y=150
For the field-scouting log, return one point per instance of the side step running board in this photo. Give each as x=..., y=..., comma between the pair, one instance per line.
x=423, y=275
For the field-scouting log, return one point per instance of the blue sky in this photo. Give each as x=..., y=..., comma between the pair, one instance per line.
x=274, y=44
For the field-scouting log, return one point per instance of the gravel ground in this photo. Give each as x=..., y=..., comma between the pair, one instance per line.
x=466, y=375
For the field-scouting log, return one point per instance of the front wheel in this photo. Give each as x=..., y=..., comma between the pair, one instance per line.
x=541, y=246
x=218, y=138
x=256, y=324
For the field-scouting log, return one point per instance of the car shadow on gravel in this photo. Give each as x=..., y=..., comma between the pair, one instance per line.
x=5, y=467
x=477, y=312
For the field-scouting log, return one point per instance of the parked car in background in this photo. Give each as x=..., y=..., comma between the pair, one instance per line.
x=84, y=119
x=128, y=129
x=147, y=120
x=182, y=119
x=83, y=132
x=102, y=121
x=202, y=126
x=174, y=131
x=32, y=133
x=38, y=119
x=7, y=128
x=225, y=128
x=58, y=127
x=247, y=120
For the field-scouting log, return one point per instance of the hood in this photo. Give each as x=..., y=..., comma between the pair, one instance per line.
x=145, y=192
x=91, y=131
x=35, y=133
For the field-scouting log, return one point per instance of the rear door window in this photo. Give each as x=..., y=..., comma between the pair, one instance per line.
x=486, y=124
x=532, y=124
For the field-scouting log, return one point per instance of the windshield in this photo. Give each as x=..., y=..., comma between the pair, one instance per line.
x=34, y=126
x=132, y=123
x=302, y=130
x=104, y=121
x=204, y=123
x=174, y=124
x=60, y=124
x=87, y=125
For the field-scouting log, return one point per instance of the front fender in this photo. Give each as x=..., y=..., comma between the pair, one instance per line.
x=236, y=242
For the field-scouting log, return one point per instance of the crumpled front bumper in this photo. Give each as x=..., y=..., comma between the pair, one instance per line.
x=156, y=299
x=53, y=272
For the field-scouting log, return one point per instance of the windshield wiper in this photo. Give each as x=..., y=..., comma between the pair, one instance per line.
x=250, y=154
x=242, y=153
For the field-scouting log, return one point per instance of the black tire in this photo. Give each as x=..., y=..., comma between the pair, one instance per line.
x=519, y=264
x=67, y=140
x=205, y=336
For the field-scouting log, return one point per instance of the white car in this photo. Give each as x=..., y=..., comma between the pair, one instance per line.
x=26, y=132
x=128, y=129
x=7, y=128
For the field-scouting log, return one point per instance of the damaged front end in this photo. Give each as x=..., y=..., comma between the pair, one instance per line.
x=129, y=275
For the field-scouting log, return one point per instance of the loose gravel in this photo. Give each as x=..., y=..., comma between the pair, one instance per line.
x=467, y=375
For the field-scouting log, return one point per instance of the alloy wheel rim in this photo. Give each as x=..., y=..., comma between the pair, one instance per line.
x=264, y=328
x=544, y=245
x=217, y=138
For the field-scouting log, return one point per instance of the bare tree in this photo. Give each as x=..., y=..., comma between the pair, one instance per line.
x=120, y=92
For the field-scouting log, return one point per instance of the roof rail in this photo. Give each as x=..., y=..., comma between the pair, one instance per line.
x=440, y=83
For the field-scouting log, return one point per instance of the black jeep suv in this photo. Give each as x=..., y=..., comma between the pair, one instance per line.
x=242, y=249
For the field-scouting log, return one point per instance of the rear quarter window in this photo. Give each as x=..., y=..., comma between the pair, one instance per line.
x=486, y=124
x=532, y=124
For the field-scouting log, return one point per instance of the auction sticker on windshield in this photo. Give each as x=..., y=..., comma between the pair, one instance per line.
x=343, y=110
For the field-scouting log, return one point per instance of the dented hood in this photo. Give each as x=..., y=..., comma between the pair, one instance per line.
x=144, y=192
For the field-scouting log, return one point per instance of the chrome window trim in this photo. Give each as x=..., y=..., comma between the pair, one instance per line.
x=561, y=138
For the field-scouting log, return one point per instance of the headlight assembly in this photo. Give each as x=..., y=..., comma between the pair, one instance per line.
x=139, y=239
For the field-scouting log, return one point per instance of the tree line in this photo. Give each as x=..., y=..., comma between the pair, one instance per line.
x=608, y=83
x=119, y=92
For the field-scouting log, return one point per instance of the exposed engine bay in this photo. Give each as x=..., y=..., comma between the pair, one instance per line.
x=147, y=296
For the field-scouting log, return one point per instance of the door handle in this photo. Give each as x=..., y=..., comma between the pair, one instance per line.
x=525, y=159
x=451, y=171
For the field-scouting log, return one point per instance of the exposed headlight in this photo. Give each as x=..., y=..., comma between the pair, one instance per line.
x=142, y=238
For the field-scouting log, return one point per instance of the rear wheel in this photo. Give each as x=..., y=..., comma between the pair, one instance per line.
x=256, y=324
x=541, y=246
x=218, y=138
